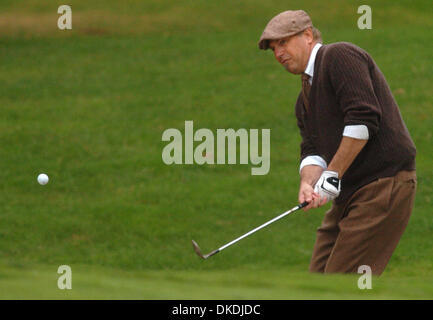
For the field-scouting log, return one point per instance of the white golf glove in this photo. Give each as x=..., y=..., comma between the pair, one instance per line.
x=328, y=185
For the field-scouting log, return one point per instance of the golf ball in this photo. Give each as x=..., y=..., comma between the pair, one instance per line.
x=43, y=179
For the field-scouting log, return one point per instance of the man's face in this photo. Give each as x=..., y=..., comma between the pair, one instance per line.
x=293, y=52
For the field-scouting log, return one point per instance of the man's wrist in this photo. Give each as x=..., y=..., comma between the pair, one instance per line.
x=310, y=174
x=333, y=169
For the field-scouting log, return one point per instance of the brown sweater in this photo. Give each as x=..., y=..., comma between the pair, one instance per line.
x=349, y=89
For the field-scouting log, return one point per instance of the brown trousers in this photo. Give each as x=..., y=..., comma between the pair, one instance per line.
x=366, y=229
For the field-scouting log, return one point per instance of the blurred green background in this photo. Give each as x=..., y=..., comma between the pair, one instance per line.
x=88, y=107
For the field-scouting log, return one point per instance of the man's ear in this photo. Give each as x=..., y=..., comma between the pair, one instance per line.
x=308, y=33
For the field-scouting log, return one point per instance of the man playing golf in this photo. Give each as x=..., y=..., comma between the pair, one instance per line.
x=356, y=150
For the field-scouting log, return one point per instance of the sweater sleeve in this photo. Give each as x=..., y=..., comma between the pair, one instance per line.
x=350, y=77
x=307, y=145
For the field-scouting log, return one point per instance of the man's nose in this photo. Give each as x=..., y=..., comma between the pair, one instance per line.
x=279, y=53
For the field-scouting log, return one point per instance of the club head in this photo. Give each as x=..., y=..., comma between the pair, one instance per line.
x=198, y=251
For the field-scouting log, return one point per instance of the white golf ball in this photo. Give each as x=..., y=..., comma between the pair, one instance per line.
x=43, y=179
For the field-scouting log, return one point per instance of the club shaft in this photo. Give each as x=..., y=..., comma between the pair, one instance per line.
x=263, y=225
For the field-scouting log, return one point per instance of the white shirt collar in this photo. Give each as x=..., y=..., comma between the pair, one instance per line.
x=310, y=66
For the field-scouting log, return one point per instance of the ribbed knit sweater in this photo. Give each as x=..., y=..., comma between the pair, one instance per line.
x=349, y=89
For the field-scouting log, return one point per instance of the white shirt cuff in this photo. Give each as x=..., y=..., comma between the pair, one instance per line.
x=313, y=160
x=356, y=131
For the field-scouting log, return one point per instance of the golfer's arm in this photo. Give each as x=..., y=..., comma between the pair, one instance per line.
x=347, y=151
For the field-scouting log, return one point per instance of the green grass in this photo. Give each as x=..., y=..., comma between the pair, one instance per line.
x=105, y=283
x=88, y=107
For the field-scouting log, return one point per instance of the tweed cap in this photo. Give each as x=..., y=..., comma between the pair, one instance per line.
x=283, y=25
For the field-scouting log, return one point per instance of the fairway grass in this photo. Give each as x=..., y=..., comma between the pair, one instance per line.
x=40, y=282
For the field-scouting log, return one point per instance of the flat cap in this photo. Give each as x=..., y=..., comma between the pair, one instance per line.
x=283, y=25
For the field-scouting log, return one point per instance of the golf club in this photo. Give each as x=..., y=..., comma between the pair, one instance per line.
x=197, y=248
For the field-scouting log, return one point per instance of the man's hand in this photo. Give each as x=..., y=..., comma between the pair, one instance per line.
x=328, y=186
x=313, y=187
x=306, y=193
x=309, y=175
